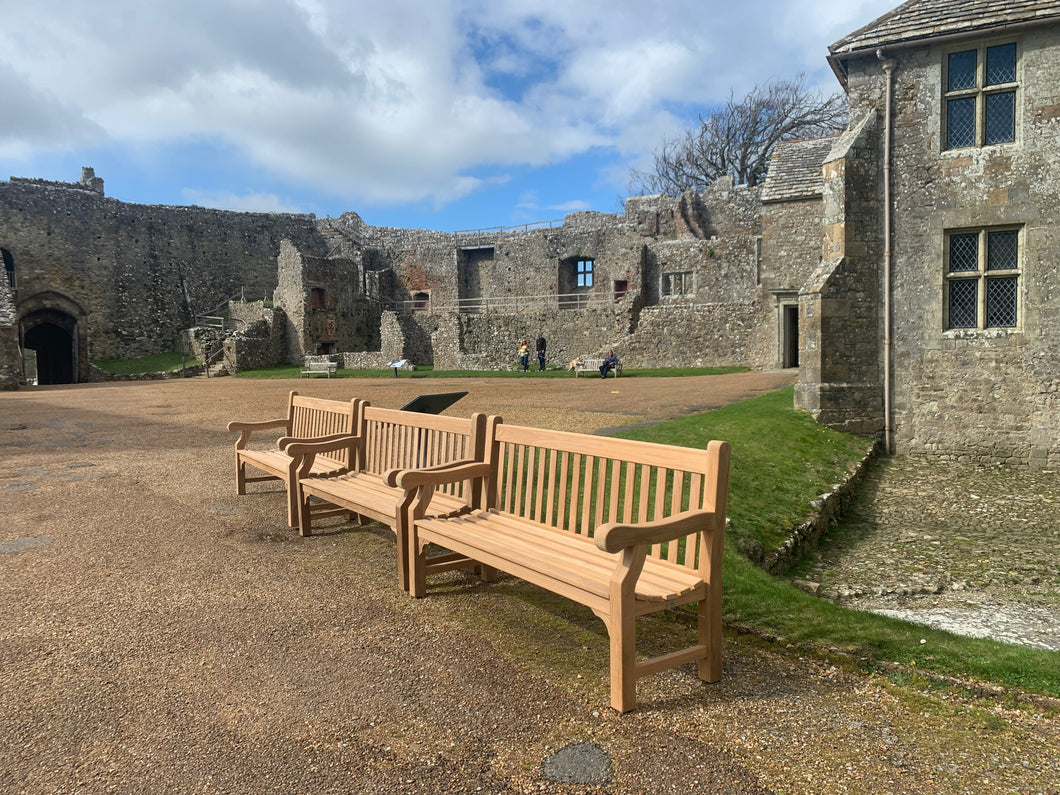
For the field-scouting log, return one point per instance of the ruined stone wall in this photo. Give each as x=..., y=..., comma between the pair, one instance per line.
x=696, y=335
x=10, y=361
x=983, y=394
x=137, y=271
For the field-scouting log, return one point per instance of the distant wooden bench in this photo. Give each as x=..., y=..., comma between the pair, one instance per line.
x=623, y=527
x=307, y=418
x=388, y=440
x=318, y=368
x=593, y=365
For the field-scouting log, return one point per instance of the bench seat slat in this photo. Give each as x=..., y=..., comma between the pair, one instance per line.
x=361, y=491
x=551, y=550
x=279, y=461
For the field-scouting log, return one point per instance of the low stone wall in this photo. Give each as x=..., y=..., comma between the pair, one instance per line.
x=804, y=537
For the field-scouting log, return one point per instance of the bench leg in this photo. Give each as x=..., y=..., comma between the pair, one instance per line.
x=622, y=632
x=305, y=515
x=241, y=476
x=417, y=563
x=709, y=632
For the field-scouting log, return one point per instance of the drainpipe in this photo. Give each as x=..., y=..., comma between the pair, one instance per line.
x=888, y=431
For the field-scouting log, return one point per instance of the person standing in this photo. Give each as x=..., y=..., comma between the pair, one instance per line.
x=524, y=355
x=541, y=353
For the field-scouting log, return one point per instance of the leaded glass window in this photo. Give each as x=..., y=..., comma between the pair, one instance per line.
x=960, y=123
x=962, y=70
x=1002, y=250
x=1001, y=64
x=964, y=300
x=964, y=252
x=977, y=112
x=982, y=279
x=1001, y=302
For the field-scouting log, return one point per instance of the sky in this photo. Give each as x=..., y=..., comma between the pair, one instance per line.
x=428, y=114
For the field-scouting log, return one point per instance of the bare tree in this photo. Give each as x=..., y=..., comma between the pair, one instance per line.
x=738, y=139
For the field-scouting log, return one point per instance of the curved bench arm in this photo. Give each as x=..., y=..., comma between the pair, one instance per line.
x=615, y=537
x=296, y=448
x=453, y=472
x=245, y=429
x=256, y=426
x=318, y=443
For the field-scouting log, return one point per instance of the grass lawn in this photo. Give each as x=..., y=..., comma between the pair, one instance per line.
x=294, y=371
x=155, y=363
x=781, y=461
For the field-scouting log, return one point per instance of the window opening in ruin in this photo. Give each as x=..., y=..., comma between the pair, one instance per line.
x=583, y=271
x=421, y=301
x=621, y=288
x=982, y=279
x=318, y=297
x=980, y=103
x=678, y=283
x=9, y=267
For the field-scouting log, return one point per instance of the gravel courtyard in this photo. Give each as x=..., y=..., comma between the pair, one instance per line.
x=160, y=634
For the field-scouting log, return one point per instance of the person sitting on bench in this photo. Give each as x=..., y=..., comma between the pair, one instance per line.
x=610, y=362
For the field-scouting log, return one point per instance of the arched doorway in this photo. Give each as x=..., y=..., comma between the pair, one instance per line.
x=56, y=352
x=53, y=325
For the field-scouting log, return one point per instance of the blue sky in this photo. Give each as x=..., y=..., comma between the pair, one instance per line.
x=434, y=114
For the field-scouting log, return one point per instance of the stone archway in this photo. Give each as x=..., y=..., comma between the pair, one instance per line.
x=53, y=325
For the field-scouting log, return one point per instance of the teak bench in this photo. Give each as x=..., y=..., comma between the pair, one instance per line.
x=623, y=527
x=388, y=441
x=316, y=368
x=307, y=418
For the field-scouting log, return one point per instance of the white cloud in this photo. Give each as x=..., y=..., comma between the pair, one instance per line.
x=250, y=203
x=399, y=102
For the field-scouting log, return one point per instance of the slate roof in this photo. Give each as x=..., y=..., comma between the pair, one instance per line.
x=924, y=19
x=795, y=169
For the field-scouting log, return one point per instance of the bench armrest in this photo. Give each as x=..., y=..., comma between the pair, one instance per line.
x=296, y=448
x=285, y=441
x=453, y=472
x=615, y=537
x=256, y=426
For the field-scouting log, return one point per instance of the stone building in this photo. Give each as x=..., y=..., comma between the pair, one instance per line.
x=936, y=306
x=906, y=266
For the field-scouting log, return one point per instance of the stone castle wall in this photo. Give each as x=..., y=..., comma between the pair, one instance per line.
x=138, y=272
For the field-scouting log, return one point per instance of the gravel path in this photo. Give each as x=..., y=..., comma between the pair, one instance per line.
x=160, y=634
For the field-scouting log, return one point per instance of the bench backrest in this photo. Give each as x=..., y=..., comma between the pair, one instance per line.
x=310, y=417
x=575, y=482
x=394, y=439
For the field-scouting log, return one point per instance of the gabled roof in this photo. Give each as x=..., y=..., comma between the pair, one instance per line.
x=918, y=20
x=795, y=169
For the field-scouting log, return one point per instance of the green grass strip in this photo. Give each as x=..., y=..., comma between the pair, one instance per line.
x=781, y=461
x=294, y=371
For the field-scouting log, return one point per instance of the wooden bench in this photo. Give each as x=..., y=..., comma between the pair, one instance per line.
x=389, y=441
x=593, y=365
x=307, y=418
x=316, y=368
x=623, y=527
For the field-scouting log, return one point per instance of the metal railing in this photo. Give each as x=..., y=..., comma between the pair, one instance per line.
x=497, y=230
x=506, y=303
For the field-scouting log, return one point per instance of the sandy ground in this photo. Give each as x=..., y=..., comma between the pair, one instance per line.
x=160, y=634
